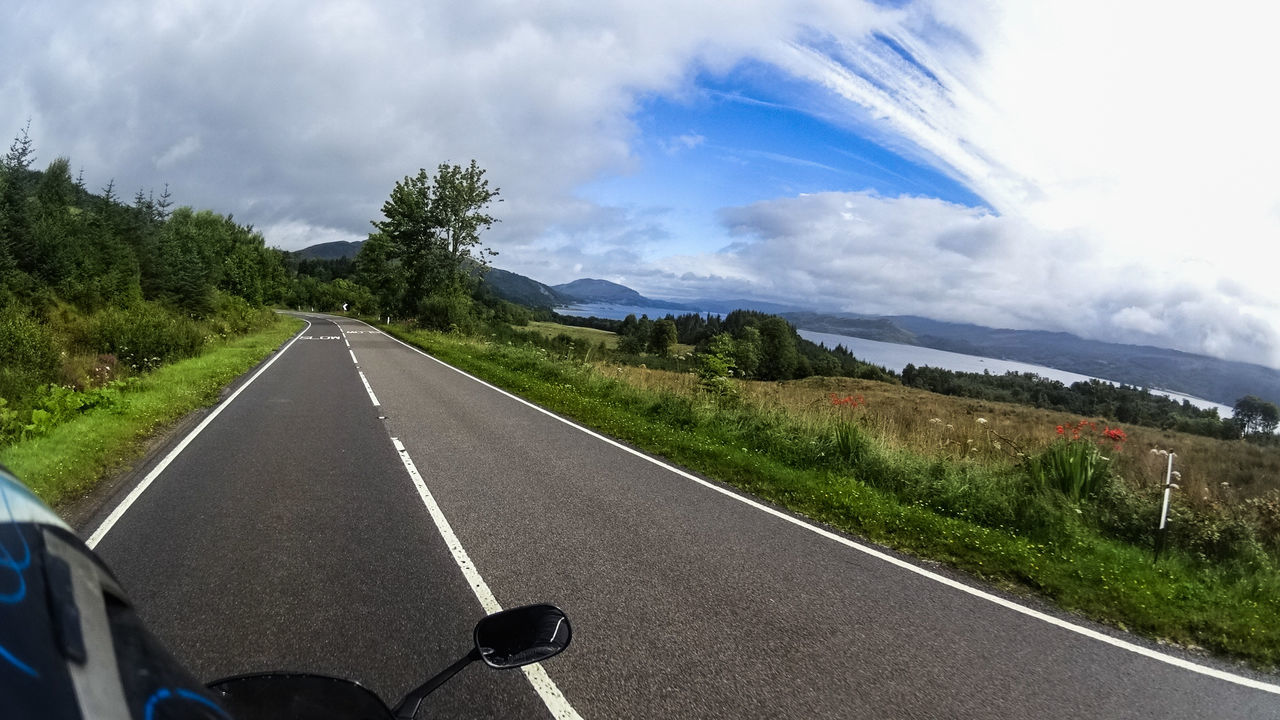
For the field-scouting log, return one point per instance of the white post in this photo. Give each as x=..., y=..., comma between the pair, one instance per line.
x=1168, y=487
x=1163, y=532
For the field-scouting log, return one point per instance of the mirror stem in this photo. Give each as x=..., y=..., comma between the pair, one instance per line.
x=408, y=707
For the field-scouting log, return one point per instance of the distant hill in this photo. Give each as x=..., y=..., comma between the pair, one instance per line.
x=870, y=328
x=590, y=290
x=1222, y=381
x=521, y=290
x=331, y=250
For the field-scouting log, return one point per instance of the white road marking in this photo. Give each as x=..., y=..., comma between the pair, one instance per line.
x=353, y=356
x=538, y=678
x=369, y=389
x=1050, y=619
x=136, y=493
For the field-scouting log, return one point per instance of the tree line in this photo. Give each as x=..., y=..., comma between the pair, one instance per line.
x=1252, y=416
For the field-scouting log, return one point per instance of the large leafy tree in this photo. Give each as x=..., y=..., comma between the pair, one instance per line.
x=431, y=229
x=1256, y=416
x=778, y=356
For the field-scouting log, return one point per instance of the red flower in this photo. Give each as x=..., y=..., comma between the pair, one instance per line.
x=1061, y=430
x=1115, y=434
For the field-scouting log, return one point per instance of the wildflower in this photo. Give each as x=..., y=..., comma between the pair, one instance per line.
x=1177, y=475
x=982, y=421
x=1061, y=430
x=936, y=421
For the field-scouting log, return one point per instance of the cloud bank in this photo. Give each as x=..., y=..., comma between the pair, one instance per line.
x=1123, y=153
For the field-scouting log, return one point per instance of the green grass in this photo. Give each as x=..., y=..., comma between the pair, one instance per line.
x=72, y=458
x=586, y=334
x=591, y=336
x=952, y=511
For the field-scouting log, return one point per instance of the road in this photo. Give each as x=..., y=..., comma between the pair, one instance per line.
x=290, y=533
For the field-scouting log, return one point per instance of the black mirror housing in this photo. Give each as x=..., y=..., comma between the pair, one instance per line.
x=522, y=636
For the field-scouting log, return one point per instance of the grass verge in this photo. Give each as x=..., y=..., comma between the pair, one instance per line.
x=71, y=459
x=934, y=508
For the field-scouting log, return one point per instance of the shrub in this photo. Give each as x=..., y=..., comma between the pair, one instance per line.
x=715, y=365
x=143, y=336
x=1075, y=468
x=447, y=313
x=28, y=353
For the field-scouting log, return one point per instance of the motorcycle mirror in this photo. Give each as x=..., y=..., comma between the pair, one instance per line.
x=503, y=640
x=523, y=635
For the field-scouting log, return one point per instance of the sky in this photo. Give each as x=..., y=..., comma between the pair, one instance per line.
x=1101, y=168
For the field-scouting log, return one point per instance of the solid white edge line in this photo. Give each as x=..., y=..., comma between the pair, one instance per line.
x=136, y=493
x=369, y=389
x=538, y=678
x=1064, y=624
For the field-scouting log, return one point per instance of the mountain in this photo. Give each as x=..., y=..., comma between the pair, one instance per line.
x=724, y=307
x=330, y=250
x=1222, y=381
x=521, y=290
x=590, y=290
x=870, y=328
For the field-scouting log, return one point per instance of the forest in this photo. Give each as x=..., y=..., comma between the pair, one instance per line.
x=95, y=289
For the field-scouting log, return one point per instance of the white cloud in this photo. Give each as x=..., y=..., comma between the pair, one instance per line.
x=679, y=143
x=911, y=255
x=1143, y=133
x=181, y=150
x=1127, y=151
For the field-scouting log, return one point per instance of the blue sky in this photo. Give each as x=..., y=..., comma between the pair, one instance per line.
x=747, y=136
x=1072, y=165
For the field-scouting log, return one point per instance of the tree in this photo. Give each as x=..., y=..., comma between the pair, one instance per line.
x=378, y=269
x=662, y=337
x=432, y=226
x=746, y=352
x=161, y=206
x=778, y=356
x=20, y=155
x=458, y=201
x=1256, y=416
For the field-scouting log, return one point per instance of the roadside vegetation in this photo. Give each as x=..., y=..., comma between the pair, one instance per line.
x=116, y=317
x=108, y=434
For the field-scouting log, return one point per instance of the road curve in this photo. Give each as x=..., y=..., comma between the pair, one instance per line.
x=289, y=534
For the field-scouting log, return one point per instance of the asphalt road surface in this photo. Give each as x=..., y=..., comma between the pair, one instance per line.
x=290, y=534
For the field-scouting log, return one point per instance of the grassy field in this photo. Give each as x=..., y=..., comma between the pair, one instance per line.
x=882, y=469
x=592, y=336
x=1213, y=471
x=71, y=459
x=588, y=335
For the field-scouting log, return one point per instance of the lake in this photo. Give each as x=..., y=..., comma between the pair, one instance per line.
x=893, y=355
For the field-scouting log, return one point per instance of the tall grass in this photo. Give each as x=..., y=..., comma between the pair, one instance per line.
x=1074, y=468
